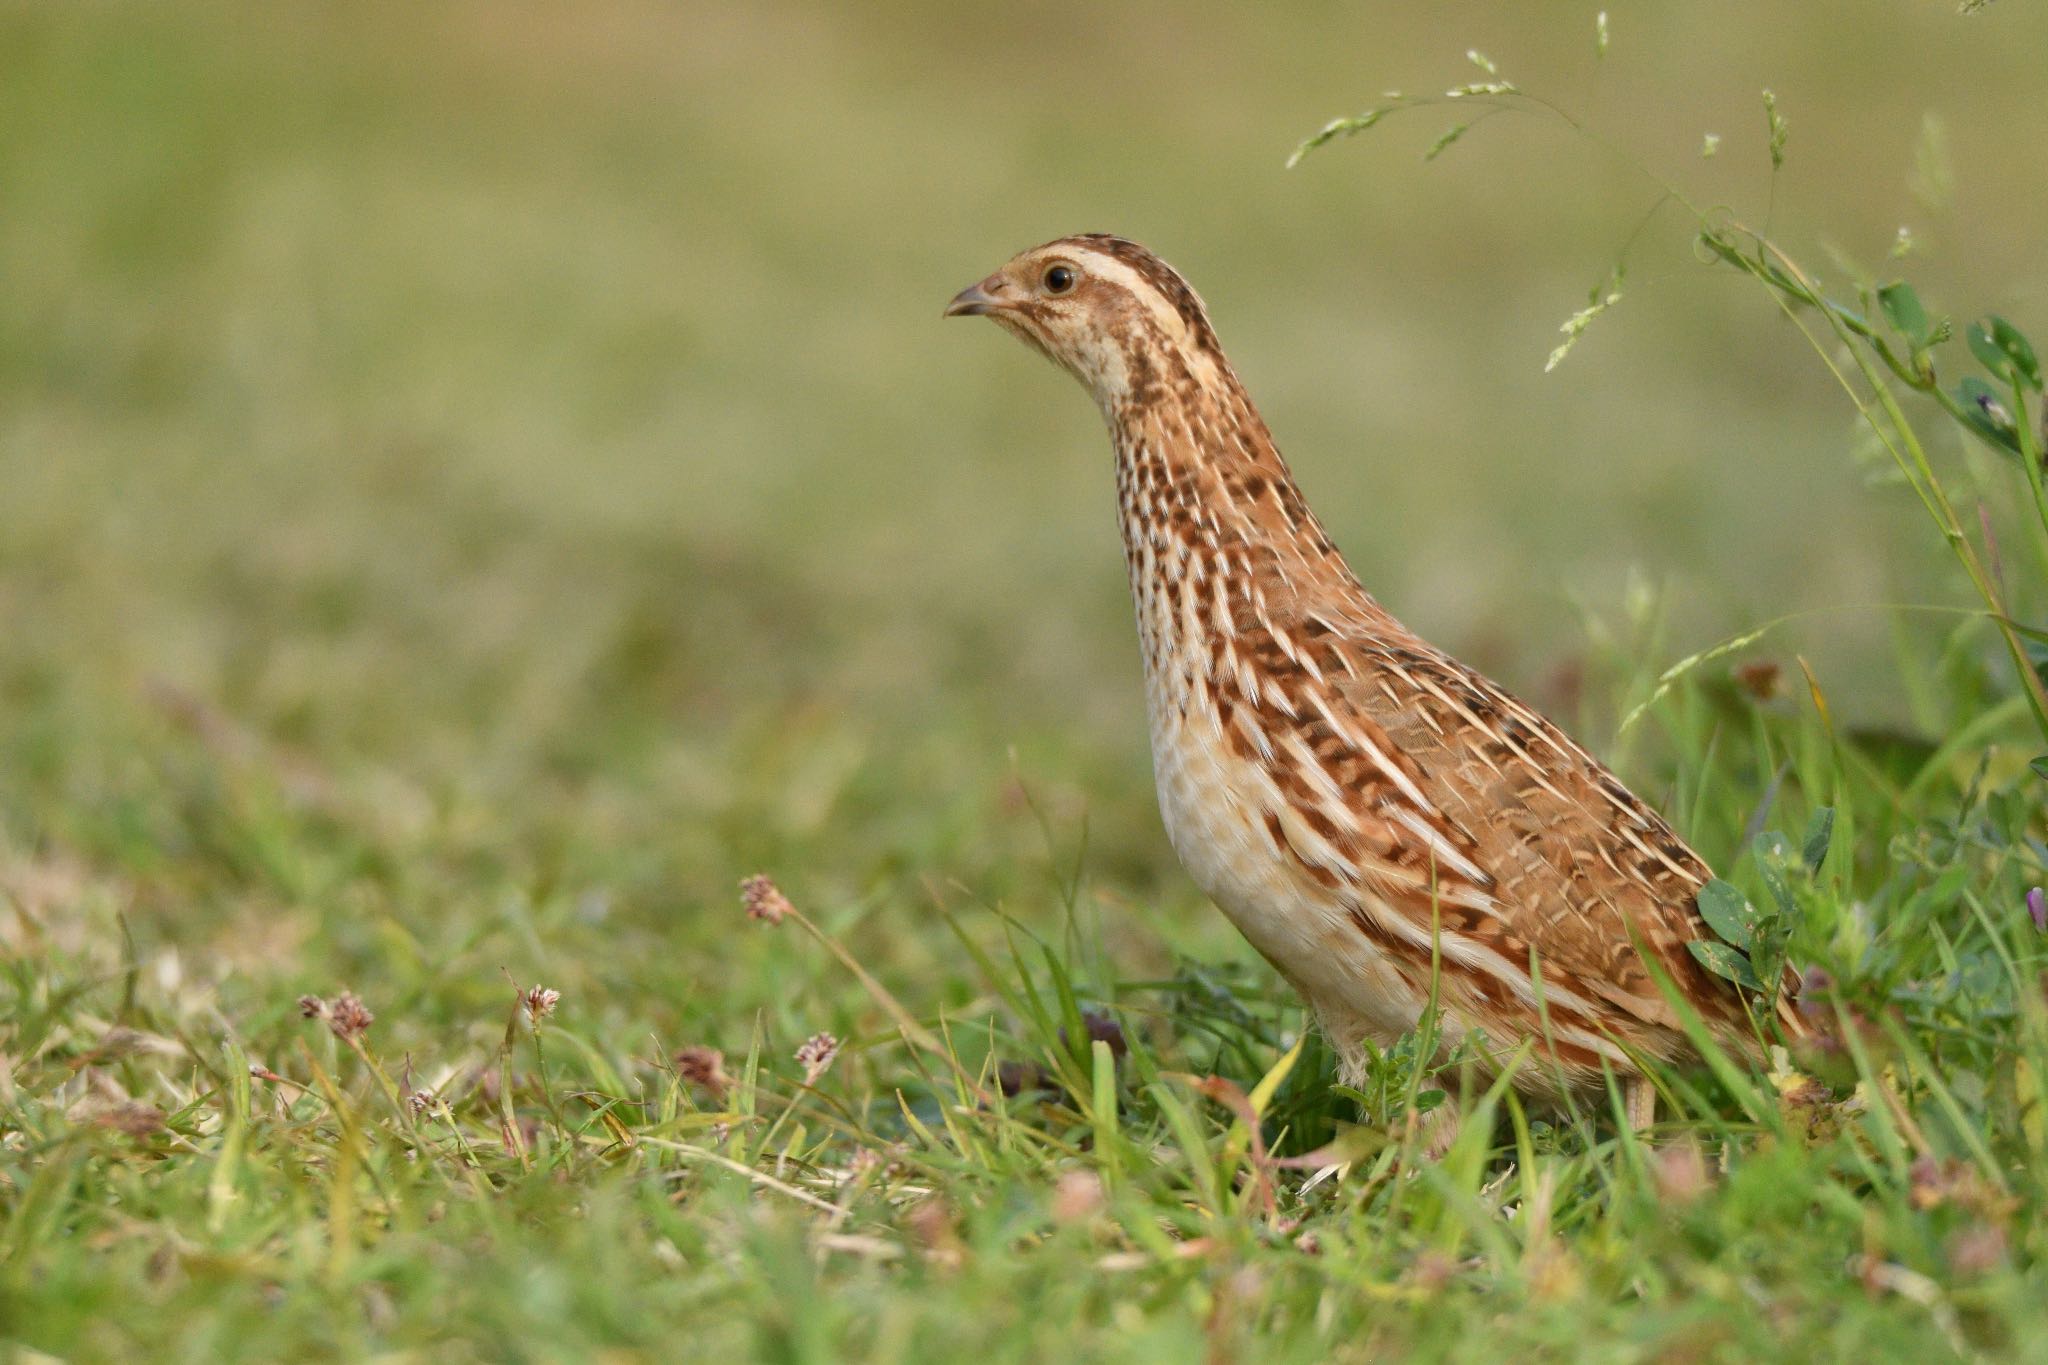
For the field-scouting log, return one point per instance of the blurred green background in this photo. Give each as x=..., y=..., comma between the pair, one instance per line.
x=521, y=439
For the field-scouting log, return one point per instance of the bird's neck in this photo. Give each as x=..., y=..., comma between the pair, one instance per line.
x=1198, y=474
x=1216, y=532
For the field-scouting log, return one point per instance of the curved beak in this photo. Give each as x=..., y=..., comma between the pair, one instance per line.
x=978, y=300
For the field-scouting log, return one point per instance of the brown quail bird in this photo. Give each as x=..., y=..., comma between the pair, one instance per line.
x=1375, y=817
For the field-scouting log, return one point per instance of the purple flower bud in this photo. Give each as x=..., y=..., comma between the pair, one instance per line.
x=2037, y=906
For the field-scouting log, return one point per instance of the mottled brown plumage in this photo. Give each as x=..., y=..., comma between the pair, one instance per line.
x=1368, y=811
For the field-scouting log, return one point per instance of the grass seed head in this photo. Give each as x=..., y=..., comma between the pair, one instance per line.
x=816, y=1055
x=345, y=1014
x=764, y=900
x=540, y=1002
x=703, y=1068
x=348, y=1016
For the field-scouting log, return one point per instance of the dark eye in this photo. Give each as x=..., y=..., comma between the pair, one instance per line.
x=1058, y=279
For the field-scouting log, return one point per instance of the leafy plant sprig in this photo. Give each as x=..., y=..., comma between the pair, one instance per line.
x=1897, y=352
x=1751, y=944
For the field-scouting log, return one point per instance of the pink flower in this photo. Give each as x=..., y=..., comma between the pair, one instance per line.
x=540, y=1002
x=816, y=1055
x=764, y=900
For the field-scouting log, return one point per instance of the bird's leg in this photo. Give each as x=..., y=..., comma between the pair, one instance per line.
x=1440, y=1128
x=1433, y=1133
x=1641, y=1100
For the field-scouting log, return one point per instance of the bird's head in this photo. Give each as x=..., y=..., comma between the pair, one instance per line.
x=1121, y=320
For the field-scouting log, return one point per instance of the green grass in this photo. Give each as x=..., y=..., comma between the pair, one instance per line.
x=475, y=486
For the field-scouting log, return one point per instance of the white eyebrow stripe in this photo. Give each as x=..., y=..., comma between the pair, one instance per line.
x=1107, y=267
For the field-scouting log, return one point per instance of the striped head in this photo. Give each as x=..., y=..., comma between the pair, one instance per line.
x=1111, y=313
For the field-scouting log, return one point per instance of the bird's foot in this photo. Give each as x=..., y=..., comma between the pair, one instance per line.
x=1433, y=1132
x=1640, y=1098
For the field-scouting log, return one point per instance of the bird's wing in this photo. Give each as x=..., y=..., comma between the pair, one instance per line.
x=1535, y=850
